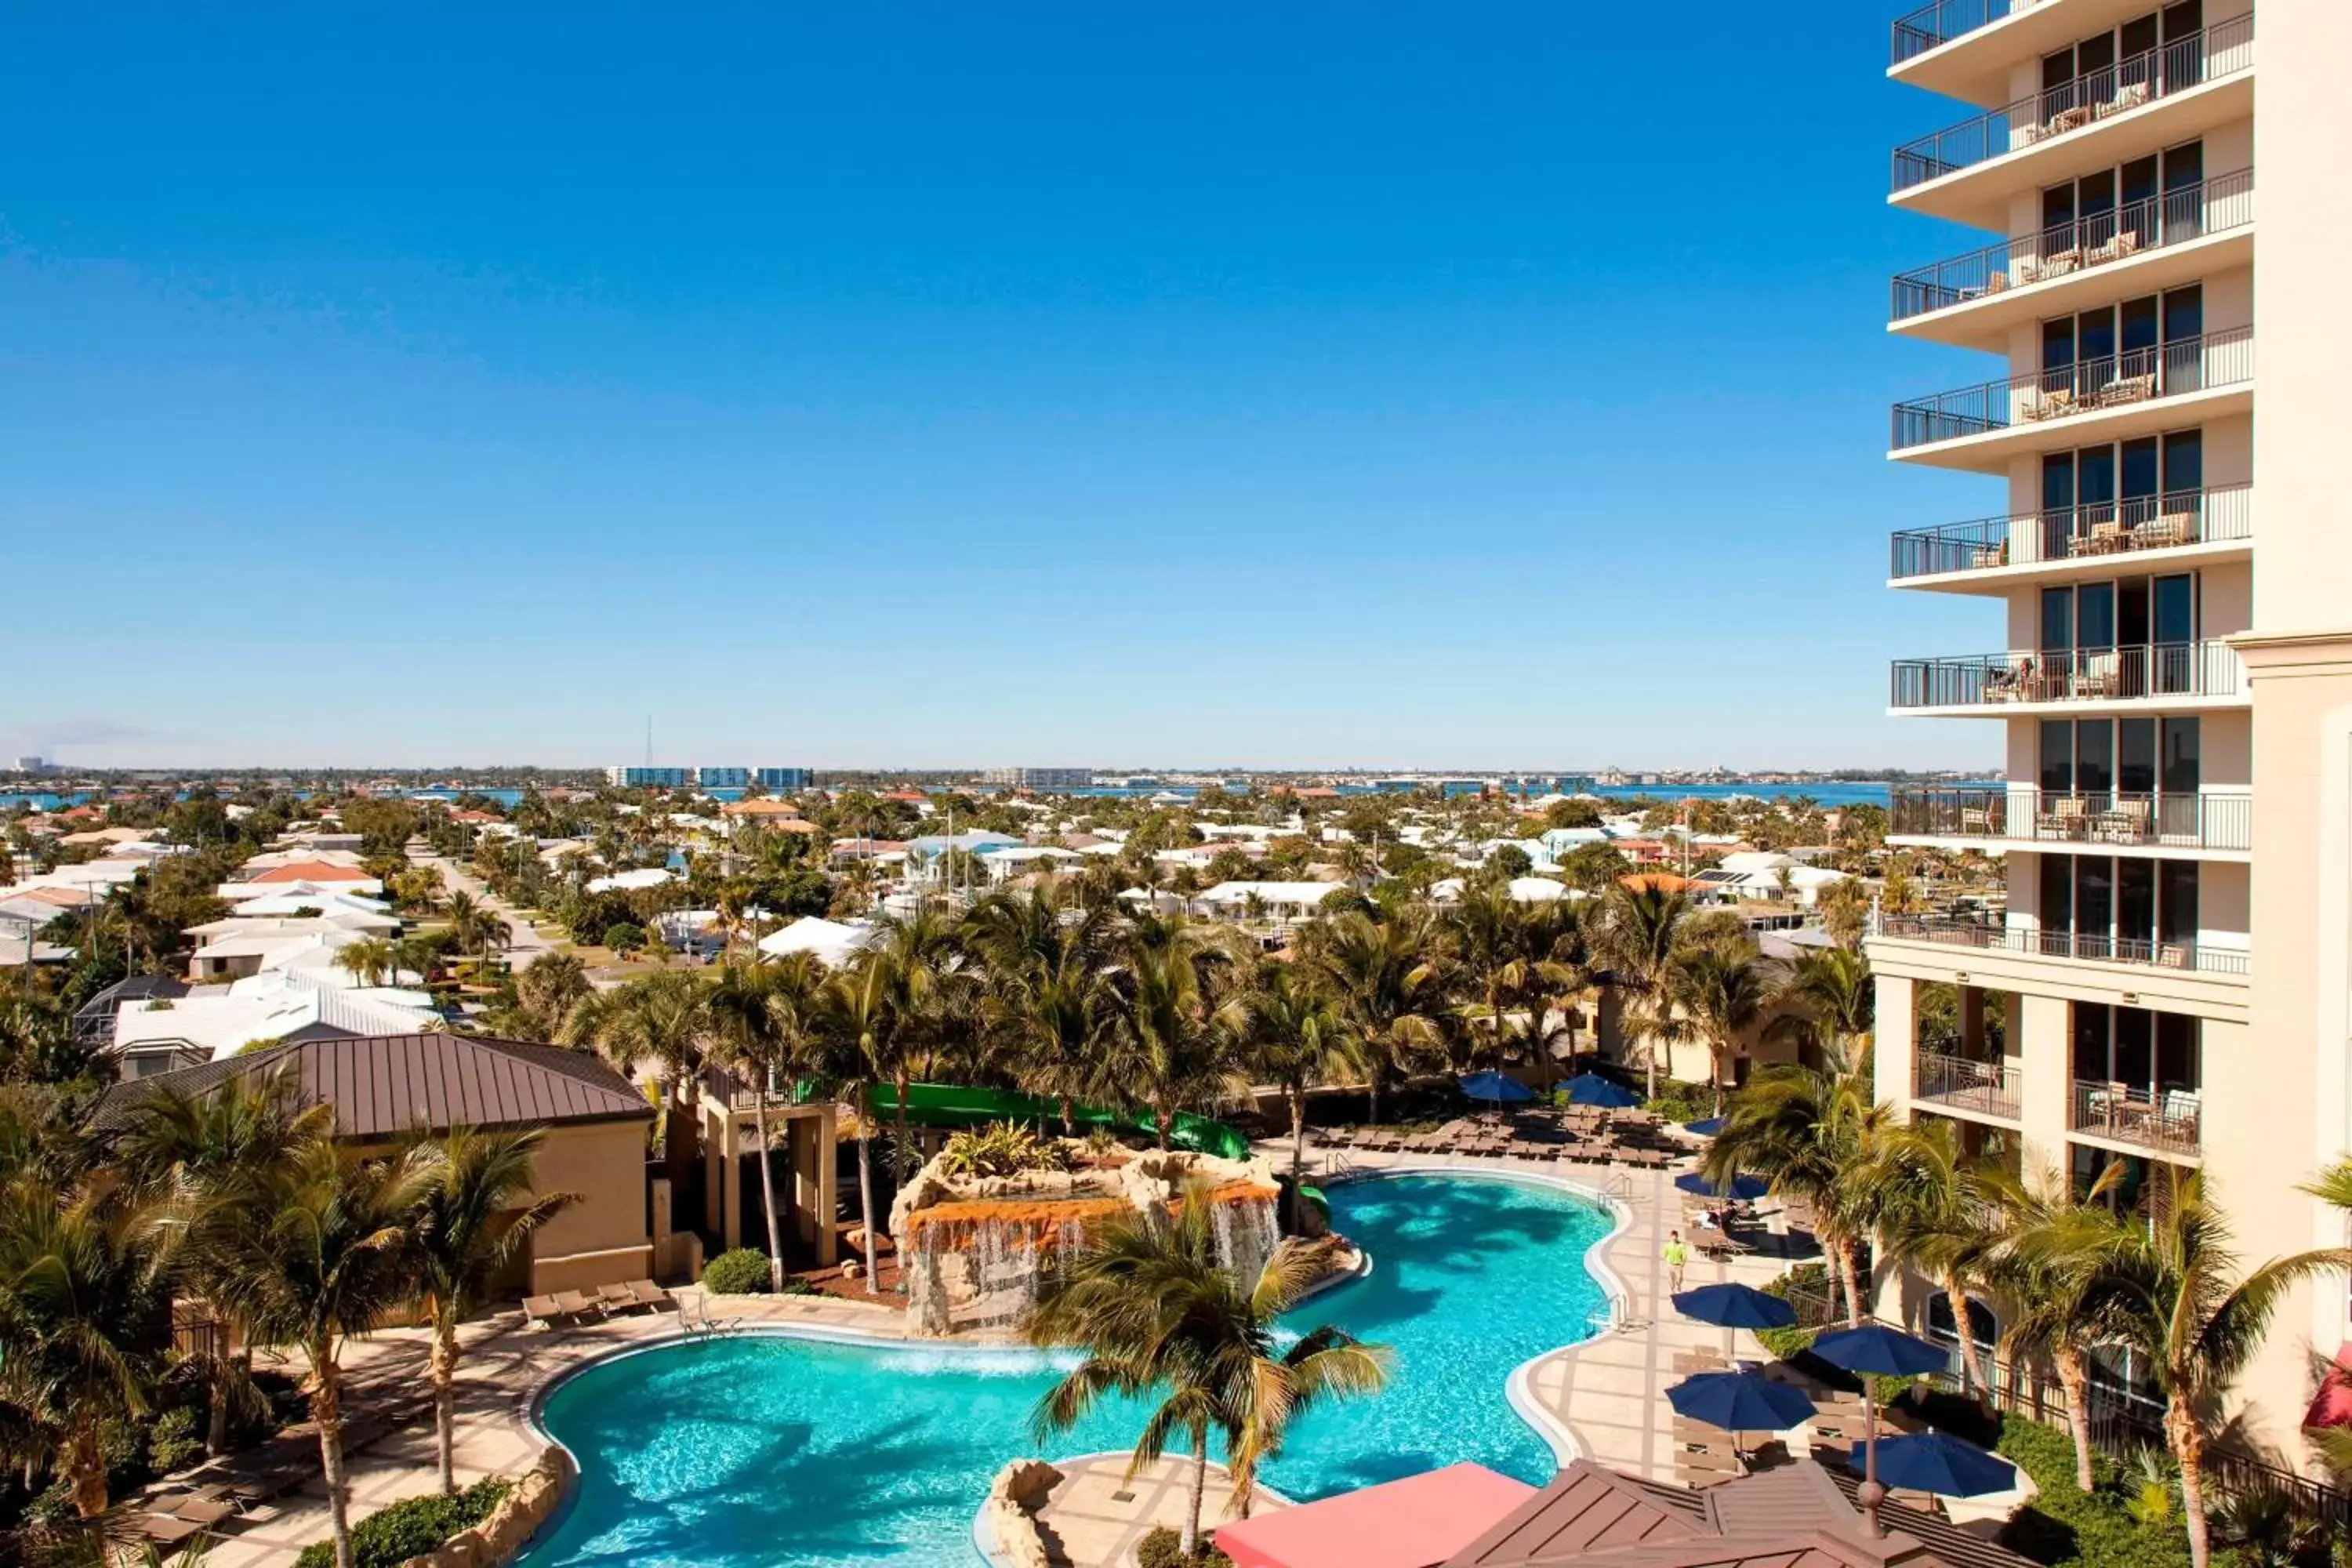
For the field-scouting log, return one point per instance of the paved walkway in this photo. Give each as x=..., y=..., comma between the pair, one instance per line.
x=524, y=944
x=1096, y=1517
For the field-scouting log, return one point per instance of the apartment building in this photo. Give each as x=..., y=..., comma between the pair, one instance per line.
x=2169, y=592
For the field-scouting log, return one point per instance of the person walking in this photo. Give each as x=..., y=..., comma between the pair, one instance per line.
x=1677, y=1255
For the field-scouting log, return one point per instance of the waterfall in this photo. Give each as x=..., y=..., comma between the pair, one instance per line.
x=1246, y=1234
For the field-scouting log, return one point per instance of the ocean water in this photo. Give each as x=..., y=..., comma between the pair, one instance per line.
x=785, y=1453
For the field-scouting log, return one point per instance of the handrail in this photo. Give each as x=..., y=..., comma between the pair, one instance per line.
x=2171, y=819
x=2087, y=946
x=2167, y=1120
x=2213, y=206
x=2110, y=381
x=2220, y=50
x=2090, y=530
x=1993, y=1088
x=1941, y=21
x=2132, y=672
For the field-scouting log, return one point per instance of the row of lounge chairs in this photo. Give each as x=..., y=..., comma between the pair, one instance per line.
x=239, y=1490
x=1632, y=1139
x=1705, y=1455
x=593, y=1306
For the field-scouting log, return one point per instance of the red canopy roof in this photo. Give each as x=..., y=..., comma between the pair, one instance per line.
x=2333, y=1407
x=1417, y=1523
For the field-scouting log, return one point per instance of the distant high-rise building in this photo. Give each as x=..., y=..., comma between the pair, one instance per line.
x=786, y=780
x=2163, y=987
x=1039, y=778
x=31, y=766
x=635, y=777
x=721, y=778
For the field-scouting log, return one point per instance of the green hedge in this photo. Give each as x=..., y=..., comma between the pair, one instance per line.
x=744, y=1271
x=2064, y=1527
x=410, y=1528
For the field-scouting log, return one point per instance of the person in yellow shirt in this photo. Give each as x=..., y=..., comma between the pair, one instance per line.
x=1677, y=1255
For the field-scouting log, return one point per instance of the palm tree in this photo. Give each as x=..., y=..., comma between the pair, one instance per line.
x=369, y=960
x=858, y=1023
x=209, y=1157
x=1146, y=1302
x=1834, y=998
x=2043, y=1285
x=1175, y=1042
x=764, y=1014
x=1720, y=990
x=1295, y=1040
x=1638, y=941
x=1482, y=949
x=1386, y=989
x=1049, y=994
x=661, y=1020
x=475, y=926
x=329, y=1253
x=1810, y=1135
x=2165, y=1287
x=917, y=965
x=476, y=1212
x=1935, y=1212
x=83, y=1281
x=546, y=990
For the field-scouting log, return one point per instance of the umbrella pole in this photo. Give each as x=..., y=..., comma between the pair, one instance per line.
x=1872, y=1494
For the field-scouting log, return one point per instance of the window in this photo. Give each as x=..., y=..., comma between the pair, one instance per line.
x=2151, y=1054
x=2126, y=908
x=2058, y=756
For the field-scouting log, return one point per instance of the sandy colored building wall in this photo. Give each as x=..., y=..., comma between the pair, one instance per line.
x=602, y=1238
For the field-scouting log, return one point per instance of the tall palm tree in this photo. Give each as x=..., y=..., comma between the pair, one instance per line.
x=2168, y=1287
x=1834, y=998
x=1386, y=988
x=1049, y=992
x=1156, y=1316
x=83, y=1280
x=661, y=1021
x=369, y=960
x=1176, y=1041
x=475, y=926
x=1935, y=1212
x=1641, y=930
x=2043, y=1285
x=1482, y=943
x=1810, y=1135
x=330, y=1254
x=1721, y=991
x=918, y=963
x=476, y=1211
x=765, y=1016
x=208, y=1158
x=1295, y=1040
x=858, y=1020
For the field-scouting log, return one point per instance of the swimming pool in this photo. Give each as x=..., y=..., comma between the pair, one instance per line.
x=789, y=1453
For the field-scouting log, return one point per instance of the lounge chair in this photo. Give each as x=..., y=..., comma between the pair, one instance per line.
x=649, y=1294
x=204, y=1507
x=578, y=1303
x=541, y=1311
x=163, y=1530
x=617, y=1297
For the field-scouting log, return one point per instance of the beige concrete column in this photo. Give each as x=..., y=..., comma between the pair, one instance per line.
x=828, y=1195
x=1895, y=1042
x=2041, y=1040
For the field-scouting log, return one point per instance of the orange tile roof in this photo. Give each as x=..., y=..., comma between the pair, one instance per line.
x=313, y=872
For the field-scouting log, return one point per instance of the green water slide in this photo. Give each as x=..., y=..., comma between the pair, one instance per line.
x=959, y=1105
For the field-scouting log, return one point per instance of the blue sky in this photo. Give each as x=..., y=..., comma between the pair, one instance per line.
x=1478, y=385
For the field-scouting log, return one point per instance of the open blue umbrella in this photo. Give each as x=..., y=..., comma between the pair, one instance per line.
x=1940, y=1463
x=1741, y=1187
x=1736, y=1306
x=1740, y=1402
x=1591, y=1089
x=1707, y=1127
x=1494, y=1086
x=1876, y=1349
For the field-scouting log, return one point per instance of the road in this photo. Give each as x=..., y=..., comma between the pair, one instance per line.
x=523, y=944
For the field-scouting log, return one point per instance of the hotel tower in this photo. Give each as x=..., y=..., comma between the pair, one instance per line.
x=2167, y=584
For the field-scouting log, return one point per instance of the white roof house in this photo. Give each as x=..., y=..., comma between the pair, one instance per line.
x=630, y=881
x=1285, y=900
x=831, y=942
x=211, y=1024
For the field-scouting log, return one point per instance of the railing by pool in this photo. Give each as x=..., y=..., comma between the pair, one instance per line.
x=2086, y=386
x=2094, y=529
x=2220, y=50
x=2216, y=205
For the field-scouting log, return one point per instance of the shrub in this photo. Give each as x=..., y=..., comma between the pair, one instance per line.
x=1002, y=1149
x=2064, y=1527
x=624, y=937
x=1162, y=1548
x=740, y=1272
x=173, y=1440
x=410, y=1528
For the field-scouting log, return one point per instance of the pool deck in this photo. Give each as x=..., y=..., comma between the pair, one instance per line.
x=1603, y=1397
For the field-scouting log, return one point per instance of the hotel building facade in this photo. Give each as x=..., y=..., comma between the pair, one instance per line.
x=2168, y=586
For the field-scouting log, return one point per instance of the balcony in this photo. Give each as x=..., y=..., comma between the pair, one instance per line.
x=1965, y=1084
x=2185, y=820
x=1934, y=25
x=2165, y=1120
x=2179, y=673
x=2023, y=278
x=2056, y=541
x=2188, y=957
x=2104, y=391
x=2169, y=72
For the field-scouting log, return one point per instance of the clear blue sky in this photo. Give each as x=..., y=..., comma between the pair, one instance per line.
x=1480, y=384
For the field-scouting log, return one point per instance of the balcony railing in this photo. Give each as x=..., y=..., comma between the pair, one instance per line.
x=2143, y=671
x=2154, y=1119
x=1941, y=22
x=2086, y=386
x=2216, y=205
x=1962, y=1083
x=2217, y=51
x=2184, y=819
x=2094, y=529
x=2090, y=947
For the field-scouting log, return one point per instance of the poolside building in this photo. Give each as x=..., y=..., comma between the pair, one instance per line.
x=2155, y=991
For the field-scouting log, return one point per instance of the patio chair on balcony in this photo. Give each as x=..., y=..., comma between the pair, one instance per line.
x=2067, y=120
x=2172, y=528
x=2180, y=1111
x=2100, y=675
x=2123, y=243
x=1977, y=820
x=2130, y=96
x=1988, y=555
x=2174, y=955
x=2126, y=822
x=2054, y=403
x=2067, y=817
x=2057, y=264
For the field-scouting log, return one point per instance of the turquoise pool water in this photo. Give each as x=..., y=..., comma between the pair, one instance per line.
x=789, y=1453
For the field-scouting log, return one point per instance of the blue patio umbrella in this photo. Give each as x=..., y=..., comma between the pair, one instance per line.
x=1940, y=1463
x=1875, y=1350
x=1740, y=1402
x=1741, y=1187
x=1736, y=1306
x=1707, y=1127
x=1591, y=1089
x=1494, y=1086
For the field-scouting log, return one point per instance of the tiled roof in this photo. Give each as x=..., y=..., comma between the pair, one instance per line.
x=384, y=1085
x=313, y=872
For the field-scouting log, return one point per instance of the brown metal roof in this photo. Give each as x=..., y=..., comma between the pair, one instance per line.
x=384, y=1085
x=1795, y=1516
